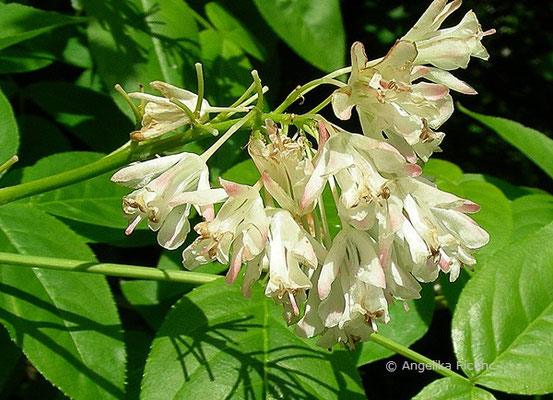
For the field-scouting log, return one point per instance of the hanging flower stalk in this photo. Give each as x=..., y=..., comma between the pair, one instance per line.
x=397, y=228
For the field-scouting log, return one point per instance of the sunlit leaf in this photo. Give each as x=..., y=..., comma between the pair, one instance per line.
x=65, y=322
x=533, y=144
x=314, y=30
x=138, y=41
x=503, y=321
x=216, y=344
x=453, y=389
x=9, y=134
x=234, y=30
x=19, y=22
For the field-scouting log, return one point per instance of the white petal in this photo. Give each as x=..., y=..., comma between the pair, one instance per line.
x=140, y=174
x=174, y=229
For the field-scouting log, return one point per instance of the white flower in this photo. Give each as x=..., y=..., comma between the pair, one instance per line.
x=290, y=255
x=351, y=290
x=241, y=223
x=283, y=167
x=423, y=229
x=390, y=103
x=161, y=115
x=156, y=182
x=362, y=167
x=449, y=48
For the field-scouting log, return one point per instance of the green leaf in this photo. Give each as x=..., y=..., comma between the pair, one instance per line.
x=138, y=41
x=18, y=59
x=452, y=389
x=405, y=327
x=65, y=322
x=19, y=22
x=138, y=346
x=231, y=28
x=227, y=67
x=332, y=217
x=533, y=144
x=94, y=201
x=443, y=171
x=153, y=299
x=9, y=134
x=531, y=213
x=34, y=130
x=314, y=30
x=503, y=322
x=245, y=173
x=216, y=344
x=90, y=116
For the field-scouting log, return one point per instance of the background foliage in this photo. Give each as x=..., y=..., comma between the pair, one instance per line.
x=69, y=334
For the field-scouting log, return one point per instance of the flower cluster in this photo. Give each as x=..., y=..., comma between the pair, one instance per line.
x=397, y=228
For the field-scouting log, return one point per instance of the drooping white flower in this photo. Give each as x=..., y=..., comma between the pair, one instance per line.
x=449, y=48
x=423, y=230
x=156, y=182
x=362, y=167
x=240, y=226
x=350, y=290
x=283, y=166
x=291, y=254
x=391, y=107
x=161, y=115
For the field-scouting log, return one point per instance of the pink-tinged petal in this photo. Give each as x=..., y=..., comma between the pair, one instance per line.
x=469, y=233
x=447, y=78
x=140, y=174
x=272, y=128
x=323, y=134
x=468, y=207
x=444, y=264
x=314, y=186
x=199, y=197
x=412, y=170
x=431, y=91
x=208, y=212
x=235, y=264
x=294, y=304
x=133, y=225
x=331, y=266
x=233, y=189
x=419, y=71
x=384, y=254
x=283, y=198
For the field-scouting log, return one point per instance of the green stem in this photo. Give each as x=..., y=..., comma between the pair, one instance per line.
x=233, y=129
x=201, y=19
x=4, y=167
x=137, y=114
x=119, y=158
x=120, y=270
x=239, y=101
x=322, y=105
x=301, y=90
x=200, y=76
x=413, y=355
x=259, y=90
